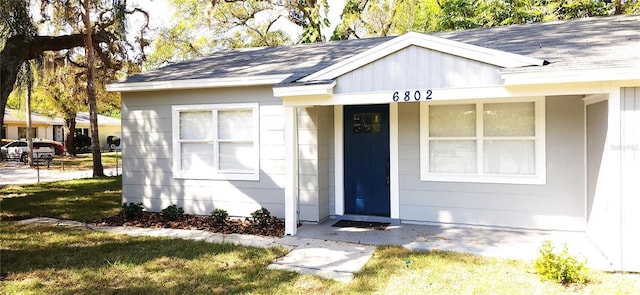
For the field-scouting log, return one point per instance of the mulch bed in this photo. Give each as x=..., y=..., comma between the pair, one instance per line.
x=273, y=228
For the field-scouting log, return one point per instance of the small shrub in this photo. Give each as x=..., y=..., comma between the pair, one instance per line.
x=132, y=210
x=560, y=267
x=172, y=212
x=219, y=216
x=262, y=216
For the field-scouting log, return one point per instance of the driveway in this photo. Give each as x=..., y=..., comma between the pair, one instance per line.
x=18, y=173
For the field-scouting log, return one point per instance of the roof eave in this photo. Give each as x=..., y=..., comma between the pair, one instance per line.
x=304, y=90
x=197, y=83
x=570, y=75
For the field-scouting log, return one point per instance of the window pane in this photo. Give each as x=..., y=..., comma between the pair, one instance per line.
x=197, y=157
x=364, y=123
x=509, y=119
x=509, y=157
x=236, y=156
x=196, y=125
x=22, y=132
x=455, y=156
x=235, y=124
x=452, y=120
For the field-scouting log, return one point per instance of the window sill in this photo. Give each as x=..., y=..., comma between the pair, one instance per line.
x=537, y=180
x=204, y=176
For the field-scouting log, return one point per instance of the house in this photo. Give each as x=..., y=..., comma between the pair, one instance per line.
x=15, y=126
x=532, y=126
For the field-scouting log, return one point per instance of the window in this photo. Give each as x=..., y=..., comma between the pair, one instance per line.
x=81, y=131
x=22, y=132
x=490, y=141
x=216, y=141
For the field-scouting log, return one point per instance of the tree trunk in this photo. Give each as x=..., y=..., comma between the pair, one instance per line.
x=29, y=131
x=69, y=131
x=98, y=170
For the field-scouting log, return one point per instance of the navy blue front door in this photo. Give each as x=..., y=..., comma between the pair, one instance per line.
x=366, y=160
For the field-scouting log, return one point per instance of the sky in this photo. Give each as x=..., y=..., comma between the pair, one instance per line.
x=160, y=13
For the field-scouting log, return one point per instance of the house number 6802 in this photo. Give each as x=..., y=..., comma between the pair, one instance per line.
x=415, y=95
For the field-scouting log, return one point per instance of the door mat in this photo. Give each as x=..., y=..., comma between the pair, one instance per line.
x=362, y=224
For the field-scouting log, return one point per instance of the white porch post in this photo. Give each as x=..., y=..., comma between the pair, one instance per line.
x=394, y=189
x=339, y=159
x=291, y=171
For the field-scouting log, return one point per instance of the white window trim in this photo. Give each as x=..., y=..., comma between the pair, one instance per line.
x=215, y=174
x=540, y=146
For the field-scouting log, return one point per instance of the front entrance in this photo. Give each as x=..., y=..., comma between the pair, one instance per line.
x=366, y=160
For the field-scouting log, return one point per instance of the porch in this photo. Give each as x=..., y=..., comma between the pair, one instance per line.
x=481, y=241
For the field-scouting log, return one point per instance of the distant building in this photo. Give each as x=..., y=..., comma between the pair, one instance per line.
x=15, y=126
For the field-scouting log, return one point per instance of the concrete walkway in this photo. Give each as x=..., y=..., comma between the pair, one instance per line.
x=338, y=253
x=330, y=259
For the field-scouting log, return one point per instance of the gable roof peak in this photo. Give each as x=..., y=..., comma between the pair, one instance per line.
x=464, y=50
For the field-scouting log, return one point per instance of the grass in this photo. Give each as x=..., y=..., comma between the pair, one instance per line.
x=82, y=200
x=85, y=161
x=48, y=259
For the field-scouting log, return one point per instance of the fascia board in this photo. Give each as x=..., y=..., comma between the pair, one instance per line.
x=571, y=76
x=197, y=83
x=473, y=52
x=304, y=90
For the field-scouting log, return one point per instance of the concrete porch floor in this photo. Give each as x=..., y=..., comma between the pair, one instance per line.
x=501, y=243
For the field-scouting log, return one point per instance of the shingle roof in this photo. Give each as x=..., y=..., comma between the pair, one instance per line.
x=298, y=60
x=574, y=44
x=578, y=43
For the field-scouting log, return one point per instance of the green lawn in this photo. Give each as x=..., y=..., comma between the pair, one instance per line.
x=85, y=161
x=47, y=259
x=81, y=200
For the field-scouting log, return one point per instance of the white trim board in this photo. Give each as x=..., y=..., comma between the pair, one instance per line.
x=481, y=54
x=313, y=89
x=196, y=83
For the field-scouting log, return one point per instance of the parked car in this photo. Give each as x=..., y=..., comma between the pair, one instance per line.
x=19, y=150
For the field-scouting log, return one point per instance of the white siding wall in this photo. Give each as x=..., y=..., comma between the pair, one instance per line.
x=308, y=163
x=630, y=188
x=147, y=155
x=315, y=132
x=416, y=67
x=325, y=160
x=559, y=204
x=615, y=218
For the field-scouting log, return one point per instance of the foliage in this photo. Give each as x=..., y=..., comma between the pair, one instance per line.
x=199, y=27
x=172, y=213
x=62, y=19
x=363, y=18
x=311, y=16
x=559, y=267
x=219, y=216
x=262, y=216
x=132, y=210
x=81, y=200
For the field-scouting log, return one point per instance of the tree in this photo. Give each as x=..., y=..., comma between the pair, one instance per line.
x=91, y=91
x=21, y=42
x=311, y=16
x=61, y=90
x=199, y=27
x=364, y=18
